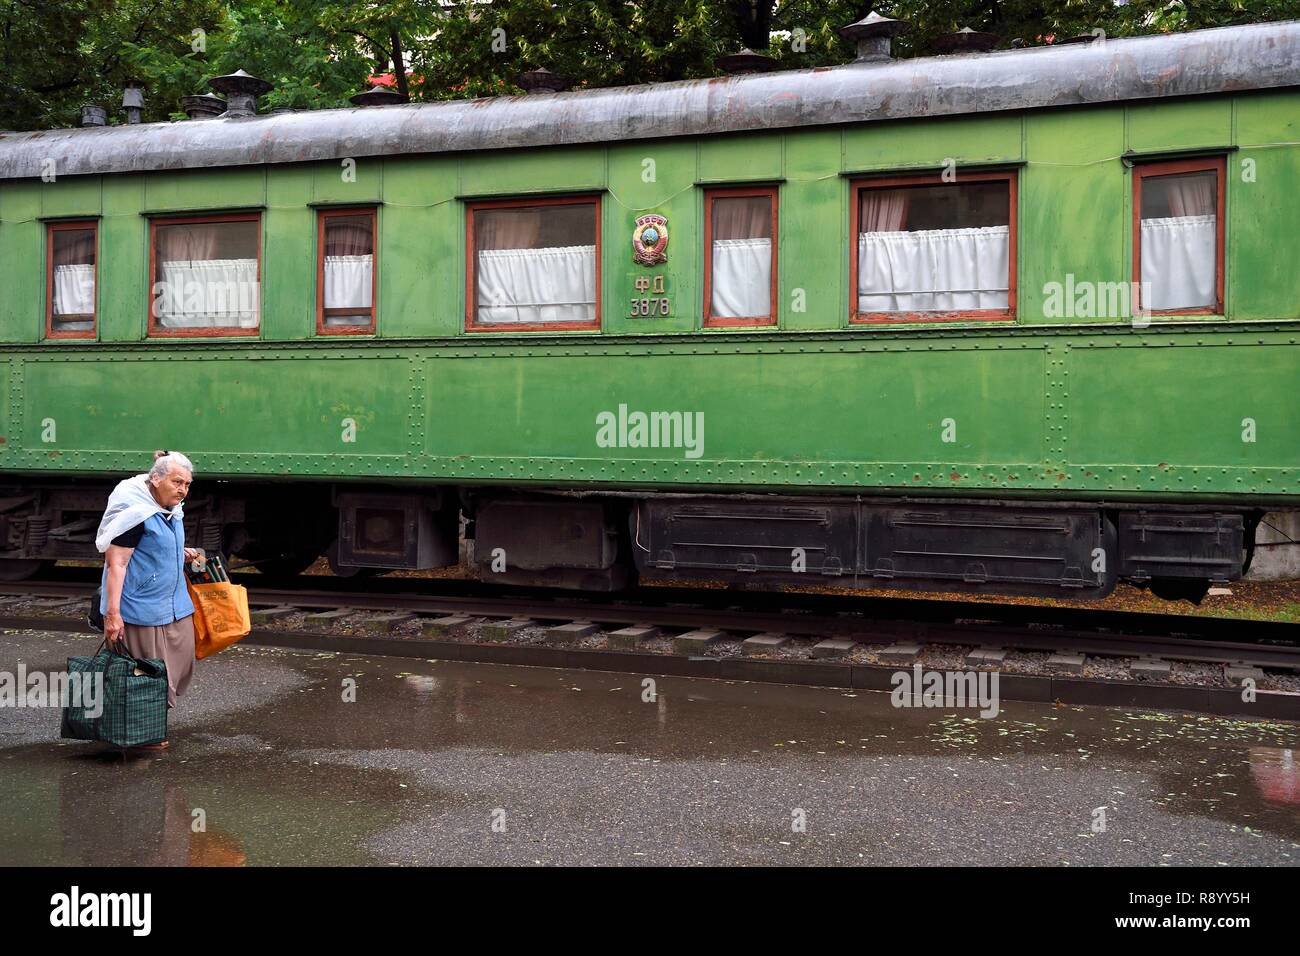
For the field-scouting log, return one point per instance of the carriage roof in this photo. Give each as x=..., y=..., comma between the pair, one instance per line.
x=1221, y=60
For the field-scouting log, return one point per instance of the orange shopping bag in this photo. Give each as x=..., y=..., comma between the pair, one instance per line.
x=220, y=616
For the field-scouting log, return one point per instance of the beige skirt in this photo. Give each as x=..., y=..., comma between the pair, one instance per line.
x=171, y=643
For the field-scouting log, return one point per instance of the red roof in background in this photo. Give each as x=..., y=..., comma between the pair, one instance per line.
x=390, y=79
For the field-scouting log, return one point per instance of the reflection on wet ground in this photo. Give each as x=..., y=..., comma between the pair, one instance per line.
x=463, y=763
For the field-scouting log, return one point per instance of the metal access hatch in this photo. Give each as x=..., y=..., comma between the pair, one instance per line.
x=378, y=530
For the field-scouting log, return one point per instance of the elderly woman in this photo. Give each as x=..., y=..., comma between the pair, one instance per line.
x=145, y=605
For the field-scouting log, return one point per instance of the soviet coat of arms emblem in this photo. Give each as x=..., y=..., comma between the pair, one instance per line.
x=649, y=240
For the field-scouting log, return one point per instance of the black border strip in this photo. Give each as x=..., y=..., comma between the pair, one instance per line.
x=212, y=211
x=1131, y=157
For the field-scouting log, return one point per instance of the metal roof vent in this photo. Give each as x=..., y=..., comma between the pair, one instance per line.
x=745, y=61
x=202, y=106
x=93, y=115
x=241, y=92
x=377, y=96
x=964, y=40
x=873, y=34
x=542, y=80
x=133, y=101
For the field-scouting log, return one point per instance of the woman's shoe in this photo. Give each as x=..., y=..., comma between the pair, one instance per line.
x=160, y=745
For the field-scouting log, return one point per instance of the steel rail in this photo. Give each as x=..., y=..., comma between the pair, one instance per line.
x=916, y=607
x=1262, y=648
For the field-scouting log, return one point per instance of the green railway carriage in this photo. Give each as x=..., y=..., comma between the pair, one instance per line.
x=1022, y=321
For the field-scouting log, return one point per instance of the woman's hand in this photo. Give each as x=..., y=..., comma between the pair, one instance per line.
x=114, y=629
x=192, y=554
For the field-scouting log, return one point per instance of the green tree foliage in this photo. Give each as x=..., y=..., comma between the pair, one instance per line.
x=1039, y=21
x=54, y=56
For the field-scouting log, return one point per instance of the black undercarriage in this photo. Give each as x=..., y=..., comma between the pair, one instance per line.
x=604, y=541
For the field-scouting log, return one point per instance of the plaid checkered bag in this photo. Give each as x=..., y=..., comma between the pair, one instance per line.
x=78, y=722
x=134, y=701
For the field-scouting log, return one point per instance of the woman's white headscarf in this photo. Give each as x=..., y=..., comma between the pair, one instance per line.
x=130, y=503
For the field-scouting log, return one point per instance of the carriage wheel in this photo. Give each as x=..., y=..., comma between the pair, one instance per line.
x=20, y=569
x=347, y=570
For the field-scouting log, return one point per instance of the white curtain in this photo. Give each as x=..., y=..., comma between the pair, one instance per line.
x=208, y=293
x=74, y=289
x=348, y=282
x=741, y=278
x=524, y=286
x=933, y=270
x=1178, y=262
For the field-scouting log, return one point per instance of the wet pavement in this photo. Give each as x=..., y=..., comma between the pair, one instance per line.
x=449, y=763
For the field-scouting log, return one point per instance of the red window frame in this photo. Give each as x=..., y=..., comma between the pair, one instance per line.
x=1141, y=171
x=322, y=218
x=710, y=195
x=79, y=225
x=156, y=331
x=471, y=263
x=1008, y=314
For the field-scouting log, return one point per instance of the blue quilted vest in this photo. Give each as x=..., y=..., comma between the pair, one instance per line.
x=154, y=592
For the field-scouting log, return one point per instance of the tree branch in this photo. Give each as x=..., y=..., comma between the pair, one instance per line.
x=399, y=64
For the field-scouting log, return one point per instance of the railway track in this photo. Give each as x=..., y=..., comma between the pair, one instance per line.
x=915, y=608
x=874, y=621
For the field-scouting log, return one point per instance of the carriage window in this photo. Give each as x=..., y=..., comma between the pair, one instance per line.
x=70, y=293
x=346, y=272
x=533, y=265
x=927, y=249
x=1179, y=245
x=205, y=275
x=740, y=257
